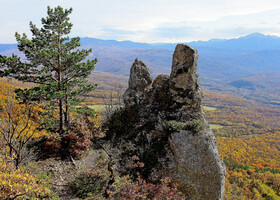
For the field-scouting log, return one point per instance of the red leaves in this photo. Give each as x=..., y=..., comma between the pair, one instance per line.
x=140, y=189
x=135, y=163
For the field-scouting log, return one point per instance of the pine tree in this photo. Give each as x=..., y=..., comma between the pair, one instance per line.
x=54, y=63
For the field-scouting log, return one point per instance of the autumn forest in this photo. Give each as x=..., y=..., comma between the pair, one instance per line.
x=53, y=107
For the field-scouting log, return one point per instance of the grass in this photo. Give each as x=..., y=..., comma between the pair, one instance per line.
x=209, y=108
x=216, y=126
x=100, y=107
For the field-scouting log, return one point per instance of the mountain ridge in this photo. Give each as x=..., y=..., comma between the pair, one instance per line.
x=227, y=58
x=221, y=61
x=200, y=43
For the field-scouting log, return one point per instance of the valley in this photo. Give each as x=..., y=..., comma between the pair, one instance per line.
x=241, y=102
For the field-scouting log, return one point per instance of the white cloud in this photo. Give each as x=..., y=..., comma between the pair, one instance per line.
x=147, y=20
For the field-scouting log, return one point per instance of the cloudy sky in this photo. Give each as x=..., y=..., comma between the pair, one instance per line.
x=148, y=20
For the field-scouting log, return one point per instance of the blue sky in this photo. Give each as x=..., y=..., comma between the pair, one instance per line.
x=148, y=20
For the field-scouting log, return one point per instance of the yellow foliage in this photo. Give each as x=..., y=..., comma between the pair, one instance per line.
x=256, y=151
x=20, y=184
x=18, y=123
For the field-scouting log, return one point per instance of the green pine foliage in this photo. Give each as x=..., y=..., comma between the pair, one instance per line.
x=54, y=63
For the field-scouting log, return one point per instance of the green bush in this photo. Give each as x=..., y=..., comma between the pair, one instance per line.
x=195, y=126
x=89, y=184
x=175, y=126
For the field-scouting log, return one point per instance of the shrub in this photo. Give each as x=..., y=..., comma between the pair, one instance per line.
x=75, y=142
x=175, y=126
x=121, y=123
x=140, y=189
x=46, y=146
x=98, y=184
x=196, y=126
x=20, y=184
x=90, y=184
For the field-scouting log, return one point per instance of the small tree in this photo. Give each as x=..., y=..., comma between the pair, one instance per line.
x=18, y=124
x=54, y=63
x=113, y=101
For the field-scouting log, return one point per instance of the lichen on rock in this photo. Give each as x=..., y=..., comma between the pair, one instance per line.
x=163, y=124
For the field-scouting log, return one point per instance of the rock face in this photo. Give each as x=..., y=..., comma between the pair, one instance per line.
x=163, y=124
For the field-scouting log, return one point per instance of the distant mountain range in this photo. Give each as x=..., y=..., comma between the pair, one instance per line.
x=252, y=42
x=221, y=61
x=218, y=58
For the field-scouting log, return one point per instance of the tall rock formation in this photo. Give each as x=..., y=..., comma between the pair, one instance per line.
x=164, y=125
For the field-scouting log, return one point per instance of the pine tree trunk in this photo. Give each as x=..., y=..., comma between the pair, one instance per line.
x=67, y=116
x=61, y=122
x=60, y=116
x=60, y=101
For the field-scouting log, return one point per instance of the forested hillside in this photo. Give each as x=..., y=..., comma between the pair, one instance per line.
x=248, y=140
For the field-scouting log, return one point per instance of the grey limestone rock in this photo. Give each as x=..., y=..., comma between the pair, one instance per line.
x=164, y=125
x=140, y=78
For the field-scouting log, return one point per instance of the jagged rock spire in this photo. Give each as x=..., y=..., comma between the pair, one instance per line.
x=140, y=76
x=164, y=125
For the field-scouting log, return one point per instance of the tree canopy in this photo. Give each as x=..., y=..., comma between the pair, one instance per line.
x=54, y=62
